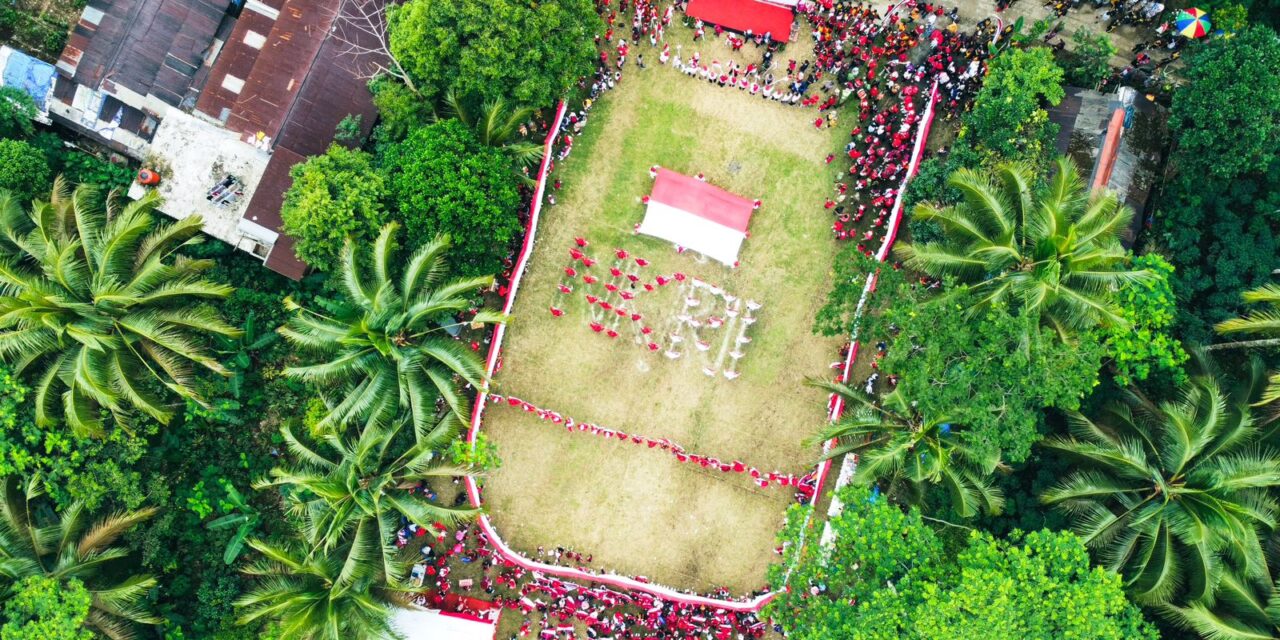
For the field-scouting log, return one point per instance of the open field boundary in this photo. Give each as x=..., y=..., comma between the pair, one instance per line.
x=495, y=350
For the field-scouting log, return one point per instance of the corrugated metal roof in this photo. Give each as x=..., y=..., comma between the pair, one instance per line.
x=281, y=67
x=237, y=60
x=264, y=209
x=330, y=89
x=334, y=89
x=146, y=46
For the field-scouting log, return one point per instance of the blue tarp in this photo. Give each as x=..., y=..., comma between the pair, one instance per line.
x=31, y=75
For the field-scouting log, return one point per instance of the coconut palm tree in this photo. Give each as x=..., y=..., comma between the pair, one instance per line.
x=317, y=594
x=1264, y=323
x=97, y=307
x=905, y=453
x=496, y=124
x=1243, y=609
x=65, y=545
x=385, y=350
x=1172, y=495
x=1055, y=252
x=353, y=499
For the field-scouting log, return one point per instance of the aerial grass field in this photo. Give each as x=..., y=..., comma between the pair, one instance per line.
x=637, y=510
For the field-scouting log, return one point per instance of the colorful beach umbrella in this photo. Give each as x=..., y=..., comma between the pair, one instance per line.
x=1192, y=23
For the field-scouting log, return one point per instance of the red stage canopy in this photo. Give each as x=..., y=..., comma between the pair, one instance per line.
x=745, y=15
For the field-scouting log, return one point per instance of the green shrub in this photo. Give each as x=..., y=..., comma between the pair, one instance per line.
x=334, y=196
x=16, y=112
x=443, y=181
x=24, y=170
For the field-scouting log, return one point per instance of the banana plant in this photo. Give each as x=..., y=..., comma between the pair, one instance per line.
x=243, y=516
x=240, y=353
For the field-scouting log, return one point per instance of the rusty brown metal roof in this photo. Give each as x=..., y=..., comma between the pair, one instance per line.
x=281, y=67
x=237, y=59
x=284, y=261
x=264, y=209
x=330, y=89
x=147, y=46
x=334, y=89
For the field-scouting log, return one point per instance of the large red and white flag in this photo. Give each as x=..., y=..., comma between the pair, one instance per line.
x=697, y=216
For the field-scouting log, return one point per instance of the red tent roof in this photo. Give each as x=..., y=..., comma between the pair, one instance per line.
x=703, y=200
x=745, y=15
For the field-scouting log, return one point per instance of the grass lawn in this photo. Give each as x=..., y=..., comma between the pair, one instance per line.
x=636, y=509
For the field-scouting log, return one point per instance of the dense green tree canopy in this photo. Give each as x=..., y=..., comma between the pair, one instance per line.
x=992, y=372
x=16, y=112
x=67, y=546
x=1221, y=232
x=1221, y=235
x=334, y=196
x=849, y=274
x=444, y=181
x=24, y=172
x=1171, y=494
x=906, y=453
x=888, y=575
x=1089, y=61
x=400, y=110
x=42, y=608
x=527, y=53
x=1144, y=345
x=1008, y=121
x=383, y=351
x=1053, y=252
x=98, y=311
x=1227, y=117
x=71, y=467
x=356, y=492
x=313, y=593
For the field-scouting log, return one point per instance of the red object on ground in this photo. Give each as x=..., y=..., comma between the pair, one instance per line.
x=148, y=178
x=1110, y=149
x=745, y=15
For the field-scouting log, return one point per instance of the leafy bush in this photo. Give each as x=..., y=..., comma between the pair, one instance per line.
x=1146, y=345
x=1089, y=60
x=526, y=53
x=348, y=131
x=481, y=457
x=80, y=167
x=24, y=170
x=95, y=471
x=16, y=112
x=443, y=181
x=43, y=608
x=334, y=196
x=1008, y=121
x=400, y=110
x=192, y=468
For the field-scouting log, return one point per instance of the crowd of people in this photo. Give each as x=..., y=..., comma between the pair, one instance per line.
x=888, y=66
x=804, y=484
x=462, y=569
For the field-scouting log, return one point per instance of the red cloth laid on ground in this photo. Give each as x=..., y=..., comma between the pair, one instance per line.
x=745, y=15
